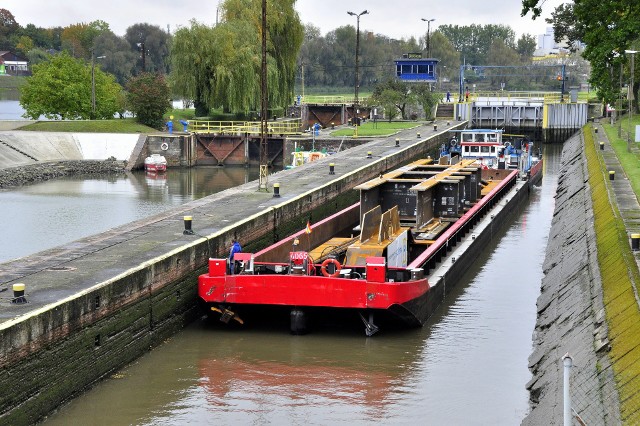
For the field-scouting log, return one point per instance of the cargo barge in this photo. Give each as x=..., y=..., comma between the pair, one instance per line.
x=374, y=258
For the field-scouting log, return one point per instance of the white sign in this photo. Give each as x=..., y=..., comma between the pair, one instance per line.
x=397, y=252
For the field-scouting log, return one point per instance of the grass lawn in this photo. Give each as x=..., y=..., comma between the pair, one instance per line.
x=11, y=82
x=380, y=128
x=126, y=125
x=630, y=161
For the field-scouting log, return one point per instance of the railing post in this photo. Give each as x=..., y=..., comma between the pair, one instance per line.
x=568, y=363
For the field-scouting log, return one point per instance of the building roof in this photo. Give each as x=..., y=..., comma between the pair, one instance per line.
x=10, y=56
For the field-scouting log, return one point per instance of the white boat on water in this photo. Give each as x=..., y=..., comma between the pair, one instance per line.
x=155, y=163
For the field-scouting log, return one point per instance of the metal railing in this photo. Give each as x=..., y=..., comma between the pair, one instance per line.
x=545, y=97
x=332, y=100
x=284, y=127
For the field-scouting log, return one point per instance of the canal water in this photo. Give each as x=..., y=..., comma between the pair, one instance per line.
x=466, y=366
x=48, y=214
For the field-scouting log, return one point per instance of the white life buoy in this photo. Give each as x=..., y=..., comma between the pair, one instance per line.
x=164, y=146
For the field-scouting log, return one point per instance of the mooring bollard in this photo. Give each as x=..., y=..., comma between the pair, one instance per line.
x=397, y=141
x=435, y=127
x=418, y=134
x=18, y=293
x=369, y=154
x=612, y=175
x=187, y=225
x=331, y=169
x=635, y=242
x=601, y=146
x=276, y=190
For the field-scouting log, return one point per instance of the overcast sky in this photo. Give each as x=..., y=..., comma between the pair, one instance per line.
x=393, y=18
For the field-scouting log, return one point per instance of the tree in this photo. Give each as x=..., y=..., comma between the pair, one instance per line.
x=60, y=88
x=474, y=41
x=119, y=59
x=8, y=26
x=152, y=46
x=78, y=39
x=403, y=97
x=220, y=66
x=148, y=98
x=427, y=98
x=526, y=46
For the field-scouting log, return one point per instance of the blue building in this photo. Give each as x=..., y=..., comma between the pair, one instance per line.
x=413, y=68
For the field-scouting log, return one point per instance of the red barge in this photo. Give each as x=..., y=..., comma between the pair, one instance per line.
x=373, y=257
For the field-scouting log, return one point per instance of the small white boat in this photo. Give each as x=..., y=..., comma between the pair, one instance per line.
x=155, y=163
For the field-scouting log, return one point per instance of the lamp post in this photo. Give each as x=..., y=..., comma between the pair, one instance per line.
x=357, y=83
x=93, y=84
x=428, y=21
x=630, y=96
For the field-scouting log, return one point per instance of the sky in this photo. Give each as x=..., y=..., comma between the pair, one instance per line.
x=395, y=19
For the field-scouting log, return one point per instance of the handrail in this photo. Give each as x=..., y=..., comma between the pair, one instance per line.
x=282, y=127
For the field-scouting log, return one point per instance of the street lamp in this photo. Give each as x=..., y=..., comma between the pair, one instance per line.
x=357, y=83
x=93, y=84
x=428, y=21
x=630, y=96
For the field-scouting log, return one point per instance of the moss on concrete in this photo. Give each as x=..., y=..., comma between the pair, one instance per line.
x=614, y=259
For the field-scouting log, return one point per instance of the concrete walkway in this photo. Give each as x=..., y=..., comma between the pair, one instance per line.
x=623, y=194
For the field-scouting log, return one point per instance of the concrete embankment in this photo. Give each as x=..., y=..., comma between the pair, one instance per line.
x=31, y=156
x=571, y=316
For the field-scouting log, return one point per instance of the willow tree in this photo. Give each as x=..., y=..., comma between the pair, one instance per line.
x=220, y=66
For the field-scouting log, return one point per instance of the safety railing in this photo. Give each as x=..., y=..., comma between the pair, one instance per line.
x=331, y=100
x=546, y=97
x=283, y=127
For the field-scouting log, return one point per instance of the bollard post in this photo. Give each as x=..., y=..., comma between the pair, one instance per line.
x=567, y=361
x=635, y=242
x=369, y=154
x=331, y=169
x=435, y=127
x=612, y=175
x=187, y=225
x=18, y=294
x=601, y=146
x=418, y=134
x=276, y=190
x=595, y=129
x=397, y=141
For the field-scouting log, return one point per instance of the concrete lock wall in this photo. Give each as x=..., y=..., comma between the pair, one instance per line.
x=51, y=355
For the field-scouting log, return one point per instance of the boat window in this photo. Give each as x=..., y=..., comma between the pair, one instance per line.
x=475, y=149
x=493, y=149
x=493, y=137
x=484, y=149
x=467, y=137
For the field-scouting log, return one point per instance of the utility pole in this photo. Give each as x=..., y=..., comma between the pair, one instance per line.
x=357, y=82
x=429, y=21
x=264, y=154
x=93, y=84
x=630, y=96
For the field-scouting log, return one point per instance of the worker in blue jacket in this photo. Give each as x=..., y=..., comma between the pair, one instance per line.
x=235, y=248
